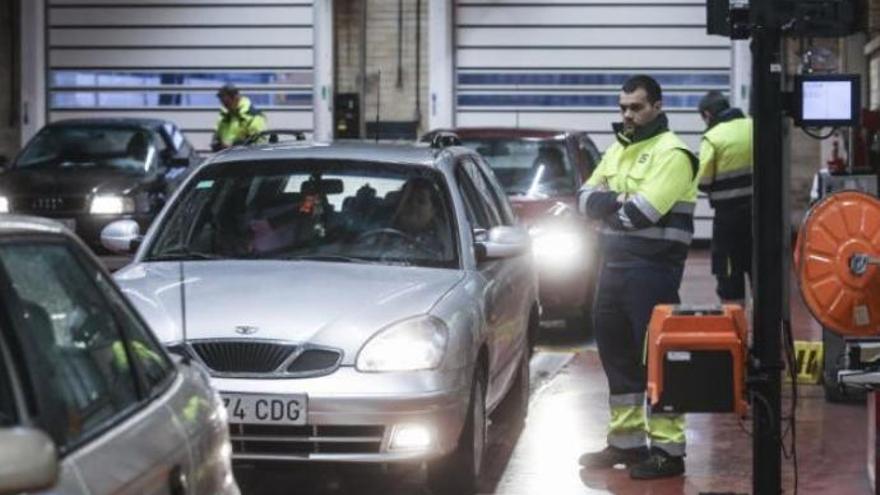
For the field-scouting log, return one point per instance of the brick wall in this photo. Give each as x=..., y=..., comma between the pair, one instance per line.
x=398, y=102
x=9, y=132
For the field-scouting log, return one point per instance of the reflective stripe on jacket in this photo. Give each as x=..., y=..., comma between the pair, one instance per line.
x=656, y=173
x=726, y=161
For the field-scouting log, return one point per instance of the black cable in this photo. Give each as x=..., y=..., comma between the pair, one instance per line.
x=820, y=137
x=792, y=415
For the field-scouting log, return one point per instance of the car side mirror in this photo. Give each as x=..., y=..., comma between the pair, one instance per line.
x=121, y=236
x=501, y=242
x=28, y=461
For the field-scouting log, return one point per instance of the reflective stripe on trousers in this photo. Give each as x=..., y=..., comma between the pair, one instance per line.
x=629, y=429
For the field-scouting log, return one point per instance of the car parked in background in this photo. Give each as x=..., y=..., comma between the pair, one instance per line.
x=541, y=171
x=90, y=402
x=355, y=303
x=86, y=173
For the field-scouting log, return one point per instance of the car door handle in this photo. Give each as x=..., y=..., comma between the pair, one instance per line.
x=177, y=482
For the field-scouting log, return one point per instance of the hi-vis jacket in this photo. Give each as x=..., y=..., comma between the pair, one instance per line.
x=644, y=191
x=237, y=126
x=726, y=160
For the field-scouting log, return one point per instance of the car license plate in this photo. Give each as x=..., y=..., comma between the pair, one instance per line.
x=266, y=409
x=70, y=223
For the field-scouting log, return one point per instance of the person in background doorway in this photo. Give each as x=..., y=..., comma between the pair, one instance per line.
x=239, y=119
x=726, y=176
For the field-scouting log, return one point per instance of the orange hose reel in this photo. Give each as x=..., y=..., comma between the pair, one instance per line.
x=836, y=259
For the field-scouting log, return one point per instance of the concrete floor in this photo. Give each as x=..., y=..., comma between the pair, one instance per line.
x=567, y=417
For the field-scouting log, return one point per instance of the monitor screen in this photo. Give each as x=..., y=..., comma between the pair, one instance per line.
x=827, y=100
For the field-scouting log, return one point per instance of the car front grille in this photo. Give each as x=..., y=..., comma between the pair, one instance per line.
x=261, y=358
x=300, y=441
x=243, y=357
x=48, y=204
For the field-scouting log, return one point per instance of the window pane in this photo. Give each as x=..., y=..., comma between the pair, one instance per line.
x=91, y=147
x=146, y=351
x=70, y=336
x=8, y=415
x=528, y=167
x=318, y=209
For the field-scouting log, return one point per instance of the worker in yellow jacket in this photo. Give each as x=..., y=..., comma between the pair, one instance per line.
x=726, y=176
x=239, y=119
x=643, y=194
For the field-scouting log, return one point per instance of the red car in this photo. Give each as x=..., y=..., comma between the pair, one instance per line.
x=541, y=170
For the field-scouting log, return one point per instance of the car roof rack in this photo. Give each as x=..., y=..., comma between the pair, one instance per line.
x=443, y=139
x=273, y=136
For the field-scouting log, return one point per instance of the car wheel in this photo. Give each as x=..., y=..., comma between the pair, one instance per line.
x=513, y=411
x=533, y=330
x=458, y=472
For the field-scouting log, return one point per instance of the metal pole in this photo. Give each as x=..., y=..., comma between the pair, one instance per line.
x=768, y=227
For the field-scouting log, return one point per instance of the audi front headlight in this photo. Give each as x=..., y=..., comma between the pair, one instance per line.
x=111, y=205
x=557, y=247
x=409, y=345
x=4, y=204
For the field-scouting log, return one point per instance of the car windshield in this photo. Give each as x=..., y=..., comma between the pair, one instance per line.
x=323, y=210
x=528, y=167
x=124, y=148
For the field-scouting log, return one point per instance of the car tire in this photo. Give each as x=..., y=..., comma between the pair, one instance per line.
x=513, y=411
x=458, y=473
x=533, y=330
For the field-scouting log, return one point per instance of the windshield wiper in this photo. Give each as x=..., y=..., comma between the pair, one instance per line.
x=183, y=256
x=325, y=257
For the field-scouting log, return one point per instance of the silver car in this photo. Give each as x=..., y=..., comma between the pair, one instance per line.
x=90, y=402
x=355, y=303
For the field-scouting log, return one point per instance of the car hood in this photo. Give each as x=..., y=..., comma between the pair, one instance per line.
x=68, y=182
x=337, y=305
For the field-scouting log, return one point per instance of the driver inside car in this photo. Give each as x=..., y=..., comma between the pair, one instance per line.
x=416, y=217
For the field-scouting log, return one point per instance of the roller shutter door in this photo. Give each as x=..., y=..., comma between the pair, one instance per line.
x=163, y=59
x=560, y=64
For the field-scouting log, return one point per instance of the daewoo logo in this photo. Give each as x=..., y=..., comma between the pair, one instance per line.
x=246, y=330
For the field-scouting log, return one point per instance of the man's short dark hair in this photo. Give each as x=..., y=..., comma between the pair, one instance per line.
x=228, y=89
x=713, y=102
x=648, y=83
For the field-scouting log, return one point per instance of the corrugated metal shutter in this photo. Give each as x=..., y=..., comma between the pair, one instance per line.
x=166, y=59
x=561, y=63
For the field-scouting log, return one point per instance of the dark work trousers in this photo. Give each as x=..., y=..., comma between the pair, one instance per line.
x=625, y=298
x=732, y=251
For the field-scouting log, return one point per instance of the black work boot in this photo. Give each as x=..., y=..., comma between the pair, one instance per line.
x=611, y=456
x=658, y=464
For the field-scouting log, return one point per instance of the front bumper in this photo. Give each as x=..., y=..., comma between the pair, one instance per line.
x=351, y=416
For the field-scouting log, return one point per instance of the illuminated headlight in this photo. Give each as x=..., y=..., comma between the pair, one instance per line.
x=410, y=437
x=557, y=248
x=111, y=205
x=4, y=204
x=416, y=344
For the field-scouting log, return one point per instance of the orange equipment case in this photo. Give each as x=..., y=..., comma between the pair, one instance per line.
x=697, y=359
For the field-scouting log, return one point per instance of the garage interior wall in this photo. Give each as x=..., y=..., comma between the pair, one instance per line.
x=561, y=65
x=143, y=58
x=9, y=78
x=392, y=30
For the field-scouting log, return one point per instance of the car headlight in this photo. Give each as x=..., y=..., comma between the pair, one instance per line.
x=415, y=344
x=4, y=204
x=111, y=205
x=557, y=247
